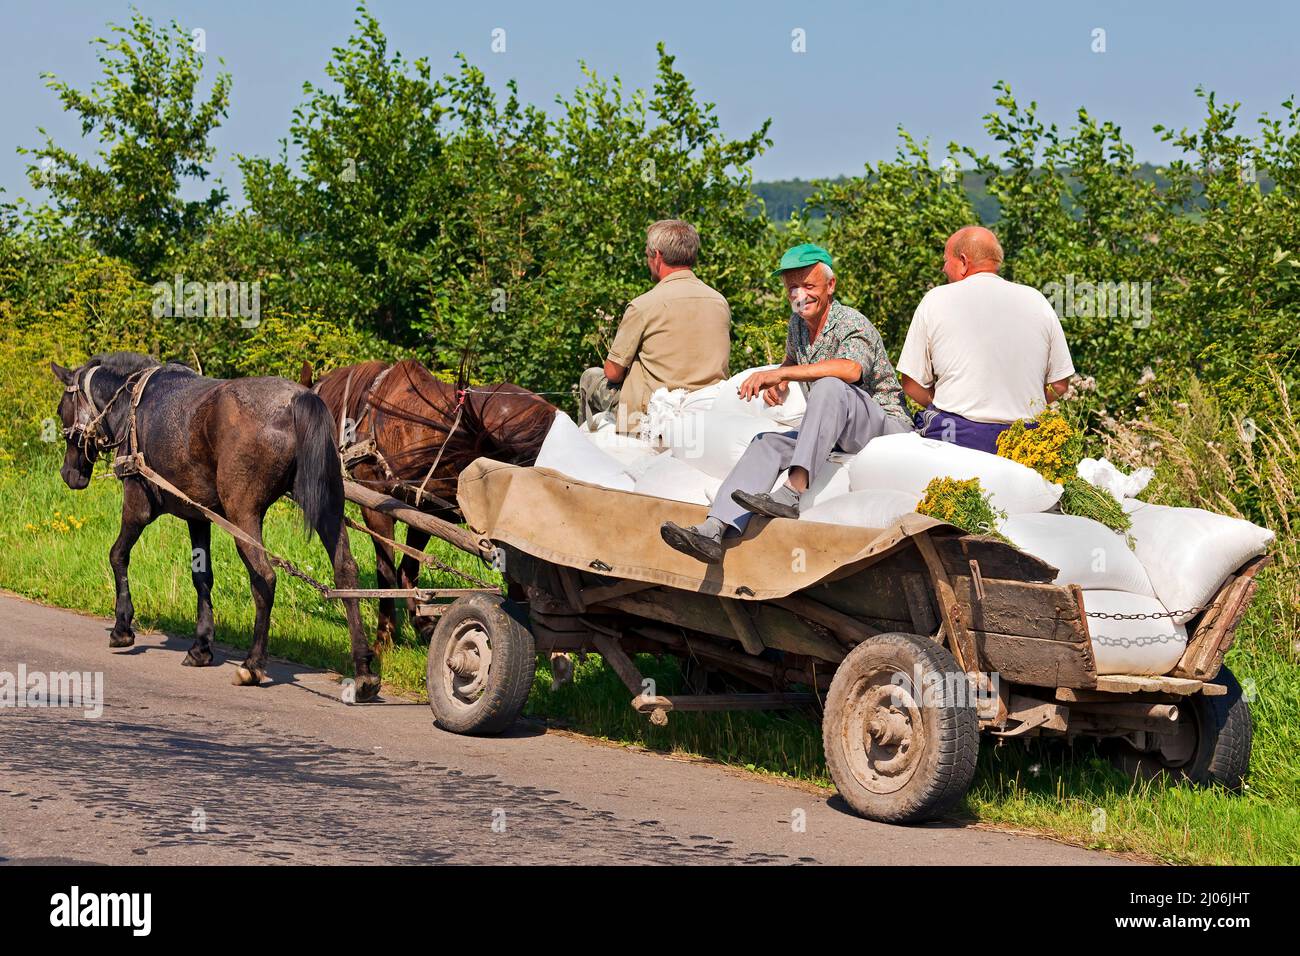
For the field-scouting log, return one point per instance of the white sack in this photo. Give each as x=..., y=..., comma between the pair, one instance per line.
x=713, y=442
x=789, y=413
x=702, y=399
x=598, y=421
x=668, y=477
x=832, y=482
x=1087, y=552
x=625, y=449
x=863, y=509
x=1149, y=647
x=1104, y=475
x=908, y=462
x=637, y=467
x=1188, y=552
x=570, y=452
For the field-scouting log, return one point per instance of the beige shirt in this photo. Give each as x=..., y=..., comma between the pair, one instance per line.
x=677, y=335
x=987, y=346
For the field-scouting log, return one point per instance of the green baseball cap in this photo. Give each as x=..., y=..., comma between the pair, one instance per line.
x=806, y=254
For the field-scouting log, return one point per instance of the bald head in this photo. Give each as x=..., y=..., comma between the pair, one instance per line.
x=969, y=250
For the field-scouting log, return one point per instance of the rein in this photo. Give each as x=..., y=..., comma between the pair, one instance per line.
x=460, y=411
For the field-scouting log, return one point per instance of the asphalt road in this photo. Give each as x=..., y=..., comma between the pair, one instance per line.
x=182, y=767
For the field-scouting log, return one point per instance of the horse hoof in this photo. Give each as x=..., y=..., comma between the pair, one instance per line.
x=201, y=659
x=121, y=640
x=246, y=677
x=367, y=687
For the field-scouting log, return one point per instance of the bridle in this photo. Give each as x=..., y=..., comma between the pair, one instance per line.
x=85, y=431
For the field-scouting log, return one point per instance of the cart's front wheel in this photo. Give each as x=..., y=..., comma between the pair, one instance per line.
x=900, y=730
x=481, y=663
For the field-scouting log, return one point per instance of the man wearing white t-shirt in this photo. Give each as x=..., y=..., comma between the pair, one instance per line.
x=981, y=352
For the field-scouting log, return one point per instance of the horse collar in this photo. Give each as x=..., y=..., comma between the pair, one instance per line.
x=85, y=388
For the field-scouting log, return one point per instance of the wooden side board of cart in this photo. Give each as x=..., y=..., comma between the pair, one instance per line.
x=909, y=656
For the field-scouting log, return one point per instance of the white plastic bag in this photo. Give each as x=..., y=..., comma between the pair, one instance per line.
x=665, y=407
x=668, y=477
x=1103, y=474
x=713, y=442
x=1188, y=552
x=570, y=452
x=908, y=462
x=862, y=509
x=1086, y=552
x=1148, y=647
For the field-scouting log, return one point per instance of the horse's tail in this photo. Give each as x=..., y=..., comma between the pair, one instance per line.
x=318, y=480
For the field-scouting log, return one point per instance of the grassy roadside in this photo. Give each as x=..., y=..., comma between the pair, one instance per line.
x=54, y=545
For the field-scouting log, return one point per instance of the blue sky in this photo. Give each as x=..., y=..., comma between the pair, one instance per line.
x=868, y=67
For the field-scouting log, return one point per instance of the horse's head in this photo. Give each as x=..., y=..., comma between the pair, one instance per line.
x=513, y=420
x=89, y=422
x=76, y=413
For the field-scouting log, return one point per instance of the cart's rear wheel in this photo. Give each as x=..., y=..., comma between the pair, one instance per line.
x=1212, y=745
x=899, y=752
x=481, y=663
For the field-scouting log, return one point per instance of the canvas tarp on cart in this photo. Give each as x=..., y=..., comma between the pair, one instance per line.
x=573, y=524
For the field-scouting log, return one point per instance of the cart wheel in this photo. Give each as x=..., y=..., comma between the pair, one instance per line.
x=481, y=664
x=1212, y=745
x=894, y=755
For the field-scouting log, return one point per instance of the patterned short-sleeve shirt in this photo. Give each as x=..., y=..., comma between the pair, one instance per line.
x=848, y=334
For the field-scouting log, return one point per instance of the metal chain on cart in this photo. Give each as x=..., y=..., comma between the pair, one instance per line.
x=1150, y=615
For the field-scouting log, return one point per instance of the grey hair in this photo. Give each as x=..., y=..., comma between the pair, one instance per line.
x=675, y=239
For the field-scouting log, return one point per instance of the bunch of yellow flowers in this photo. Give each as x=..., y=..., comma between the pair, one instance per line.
x=1049, y=445
x=961, y=503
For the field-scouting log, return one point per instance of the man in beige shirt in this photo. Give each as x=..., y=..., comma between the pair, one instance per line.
x=677, y=335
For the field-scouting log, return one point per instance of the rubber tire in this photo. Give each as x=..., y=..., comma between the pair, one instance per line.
x=1224, y=731
x=948, y=764
x=510, y=675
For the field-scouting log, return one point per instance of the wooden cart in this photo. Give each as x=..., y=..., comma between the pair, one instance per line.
x=910, y=655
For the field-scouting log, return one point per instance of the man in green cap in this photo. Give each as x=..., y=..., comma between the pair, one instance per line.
x=839, y=359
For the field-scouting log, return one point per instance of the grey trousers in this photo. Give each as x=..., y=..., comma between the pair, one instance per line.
x=840, y=417
x=596, y=394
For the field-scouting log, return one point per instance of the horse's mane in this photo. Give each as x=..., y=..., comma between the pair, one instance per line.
x=122, y=363
x=517, y=436
x=334, y=384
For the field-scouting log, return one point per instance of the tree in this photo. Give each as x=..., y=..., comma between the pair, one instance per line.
x=153, y=135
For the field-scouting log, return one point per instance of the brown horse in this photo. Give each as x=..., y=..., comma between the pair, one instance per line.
x=233, y=447
x=408, y=434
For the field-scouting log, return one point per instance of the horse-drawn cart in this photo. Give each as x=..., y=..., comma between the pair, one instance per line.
x=912, y=640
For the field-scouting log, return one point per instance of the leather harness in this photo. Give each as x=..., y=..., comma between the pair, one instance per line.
x=353, y=452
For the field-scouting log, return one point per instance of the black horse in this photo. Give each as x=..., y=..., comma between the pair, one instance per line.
x=232, y=446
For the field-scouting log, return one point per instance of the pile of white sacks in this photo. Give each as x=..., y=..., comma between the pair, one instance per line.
x=1181, y=556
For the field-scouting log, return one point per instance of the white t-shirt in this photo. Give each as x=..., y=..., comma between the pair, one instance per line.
x=987, y=346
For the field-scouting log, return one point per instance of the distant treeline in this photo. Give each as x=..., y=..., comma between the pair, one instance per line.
x=784, y=197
